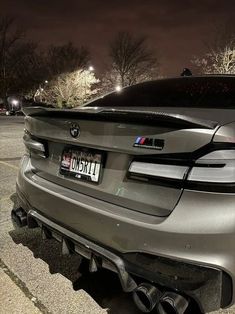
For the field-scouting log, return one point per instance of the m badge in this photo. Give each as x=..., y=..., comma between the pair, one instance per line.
x=149, y=143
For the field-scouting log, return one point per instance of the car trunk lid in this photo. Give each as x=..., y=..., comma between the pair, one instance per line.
x=117, y=135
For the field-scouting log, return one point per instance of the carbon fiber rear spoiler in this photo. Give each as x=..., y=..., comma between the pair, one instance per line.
x=121, y=115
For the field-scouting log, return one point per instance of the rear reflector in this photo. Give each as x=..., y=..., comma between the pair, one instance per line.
x=158, y=170
x=214, y=171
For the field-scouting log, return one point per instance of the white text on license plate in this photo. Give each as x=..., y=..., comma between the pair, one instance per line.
x=85, y=164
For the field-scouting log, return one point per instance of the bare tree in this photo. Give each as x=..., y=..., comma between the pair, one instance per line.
x=10, y=37
x=71, y=89
x=22, y=67
x=66, y=58
x=109, y=81
x=132, y=61
x=28, y=66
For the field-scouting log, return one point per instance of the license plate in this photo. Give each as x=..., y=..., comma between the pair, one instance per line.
x=83, y=165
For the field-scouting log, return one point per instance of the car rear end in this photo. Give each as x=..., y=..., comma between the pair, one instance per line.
x=141, y=182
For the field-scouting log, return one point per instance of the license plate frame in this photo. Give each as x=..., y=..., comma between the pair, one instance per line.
x=91, y=155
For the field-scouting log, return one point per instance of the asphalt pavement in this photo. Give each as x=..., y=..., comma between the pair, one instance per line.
x=34, y=276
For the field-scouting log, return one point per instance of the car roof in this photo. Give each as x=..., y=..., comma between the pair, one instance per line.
x=172, y=90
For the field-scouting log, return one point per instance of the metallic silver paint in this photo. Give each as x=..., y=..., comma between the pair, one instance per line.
x=200, y=229
x=193, y=226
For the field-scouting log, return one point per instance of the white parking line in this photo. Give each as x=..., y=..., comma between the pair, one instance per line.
x=9, y=165
x=5, y=198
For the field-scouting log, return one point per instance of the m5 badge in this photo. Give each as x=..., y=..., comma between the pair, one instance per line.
x=149, y=143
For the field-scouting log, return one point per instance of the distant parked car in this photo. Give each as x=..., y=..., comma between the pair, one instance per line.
x=13, y=105
x=2, y=109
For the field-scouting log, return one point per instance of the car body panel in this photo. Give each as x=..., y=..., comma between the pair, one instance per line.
x=116, y=142
x=181, y=236
x=189, y=222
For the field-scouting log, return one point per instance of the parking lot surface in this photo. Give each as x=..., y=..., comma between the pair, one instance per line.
x=34, y=276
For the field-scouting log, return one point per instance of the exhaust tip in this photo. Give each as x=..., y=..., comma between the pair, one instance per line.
x=19, y=217
x=173, y=303
x=146, y=296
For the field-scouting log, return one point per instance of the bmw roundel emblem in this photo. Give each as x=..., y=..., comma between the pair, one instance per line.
x=74, y=130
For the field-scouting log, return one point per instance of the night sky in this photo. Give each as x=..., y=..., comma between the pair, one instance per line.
x=177, y=30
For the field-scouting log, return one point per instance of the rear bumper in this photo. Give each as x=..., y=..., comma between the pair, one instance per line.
x=191, y=250
x=207, y=286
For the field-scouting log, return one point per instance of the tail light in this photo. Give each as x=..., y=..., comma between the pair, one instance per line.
x=214, y=171
x=215, y=167
x=158, y=170
x=34, y=145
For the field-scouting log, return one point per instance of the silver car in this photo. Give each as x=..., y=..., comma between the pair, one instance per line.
x=141, y=182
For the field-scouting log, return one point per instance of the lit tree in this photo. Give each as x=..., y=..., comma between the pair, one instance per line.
x=56, y=62
x=71, y=89
x=220, y=55
x=221, y=61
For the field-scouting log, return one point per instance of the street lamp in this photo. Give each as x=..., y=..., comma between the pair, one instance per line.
x=118, y=88
x=15, y=102
x=90, y=69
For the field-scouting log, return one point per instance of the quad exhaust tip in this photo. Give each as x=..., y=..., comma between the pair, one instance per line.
x=147, y=297
x=19, y=217
x=172, y=303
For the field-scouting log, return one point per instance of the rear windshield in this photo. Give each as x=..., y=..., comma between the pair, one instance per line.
x=201, y=92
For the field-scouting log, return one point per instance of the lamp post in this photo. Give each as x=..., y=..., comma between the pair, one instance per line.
x=89, y=70
x=40, y=90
